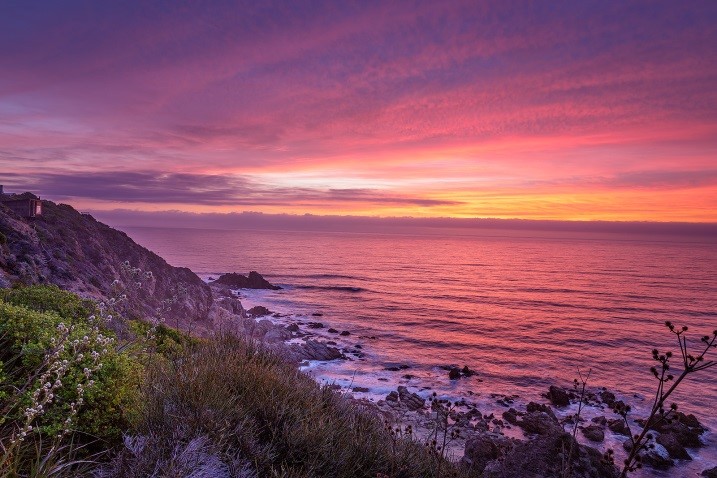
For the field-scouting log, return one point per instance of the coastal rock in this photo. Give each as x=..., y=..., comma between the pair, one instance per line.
x=258, y=311
x=276, y=334
x=345, y=333
x=673, y=446
x=485, y=447
x=617, y=425
x=224, y=299
x=558, y=396
x=710, y=473
x=238, y=281
x=313, y=350
x=539, y=407
x=601, y=420
x=454, y=373
x=413, y=401
x=292, y=327
x=511, y=416
x=540, y=423
x=608, y=398
x=542, y=457
x=686, y=429
x=657, y=457
x=315, y=325
x=593, y=433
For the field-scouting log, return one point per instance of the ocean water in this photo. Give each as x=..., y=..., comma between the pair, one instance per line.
x=524, y=309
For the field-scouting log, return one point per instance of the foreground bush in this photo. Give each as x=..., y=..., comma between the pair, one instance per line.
x=61, y=378
x=230, y=408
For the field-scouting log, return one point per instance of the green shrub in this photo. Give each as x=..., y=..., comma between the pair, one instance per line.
x=38, y=319
x=49, y=298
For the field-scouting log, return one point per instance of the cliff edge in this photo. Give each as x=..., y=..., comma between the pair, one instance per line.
x=78, y=253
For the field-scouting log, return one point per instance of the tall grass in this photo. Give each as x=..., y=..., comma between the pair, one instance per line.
x=253, y=411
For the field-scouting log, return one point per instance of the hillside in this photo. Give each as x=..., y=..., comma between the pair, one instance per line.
x=80, y=254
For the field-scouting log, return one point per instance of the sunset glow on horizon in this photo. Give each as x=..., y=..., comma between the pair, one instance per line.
x=534, y=110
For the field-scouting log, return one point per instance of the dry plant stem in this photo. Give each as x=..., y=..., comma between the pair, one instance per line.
x=691, y=364
x=568, y=463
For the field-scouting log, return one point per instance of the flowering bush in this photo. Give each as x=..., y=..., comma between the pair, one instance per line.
x=60, y=370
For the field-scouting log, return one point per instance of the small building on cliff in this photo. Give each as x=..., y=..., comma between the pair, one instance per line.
x=24, y=205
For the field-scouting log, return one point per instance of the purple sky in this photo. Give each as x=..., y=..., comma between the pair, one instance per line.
x=562, y=110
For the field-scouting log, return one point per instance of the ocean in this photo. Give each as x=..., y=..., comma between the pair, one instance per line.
x=525, y=309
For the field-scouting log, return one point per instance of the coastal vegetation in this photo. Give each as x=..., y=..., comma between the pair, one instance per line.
x=162, y=404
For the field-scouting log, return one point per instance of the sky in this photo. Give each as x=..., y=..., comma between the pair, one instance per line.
x=545, y=110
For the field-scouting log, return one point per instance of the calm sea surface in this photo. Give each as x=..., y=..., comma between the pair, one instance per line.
x=523, y=309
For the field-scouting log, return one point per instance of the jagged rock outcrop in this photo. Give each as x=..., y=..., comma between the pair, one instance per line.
x=80, y=254
x=314, y=350
x=239, y=281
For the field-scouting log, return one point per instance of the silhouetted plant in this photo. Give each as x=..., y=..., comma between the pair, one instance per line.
x=444, y=432
x=580, y=387
x=667, y=384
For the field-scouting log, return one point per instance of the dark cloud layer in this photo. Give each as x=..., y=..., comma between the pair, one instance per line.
x=199, y=189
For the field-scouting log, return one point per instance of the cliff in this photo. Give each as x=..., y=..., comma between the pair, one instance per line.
x=78, y=253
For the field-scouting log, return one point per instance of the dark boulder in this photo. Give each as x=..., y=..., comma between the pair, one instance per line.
x=511, y=416
x=602, y=421
x=542, y=458
x=539, y=423
x=313, y=350
x=608, y=398
x=558, y=396
x=258, y=311
x=685, y=428
x=593, y=433
x=710, y=473
x=413, y=401
x=238, y=281
x=617, y=425
x=485, y=447
x=657, y=458
x=673, y=446
x=454, y=373
x=539, y=407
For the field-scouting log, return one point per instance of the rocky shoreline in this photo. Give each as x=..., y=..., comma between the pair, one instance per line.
x=509, y=438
